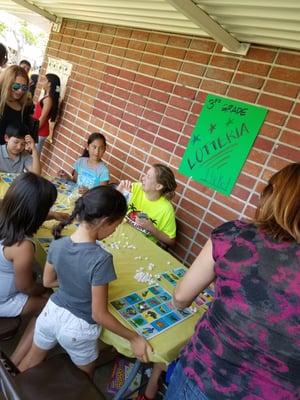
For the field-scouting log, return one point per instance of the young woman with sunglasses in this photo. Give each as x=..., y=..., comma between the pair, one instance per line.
x=46, y=110
x=14, y=87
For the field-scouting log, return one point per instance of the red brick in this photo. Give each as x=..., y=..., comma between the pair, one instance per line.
x=289, y=153
x=192, y=119
x=140, y=89
x=214, y=86
x=293, y=139
x=230, y=202
x=158, y=37
x=254, y=68
x=156, y=106
x=161, y=85
x=167, y=134
x=294, y=123
x=178, y=41
x=213, y=220
x=190, y=213
x=197, y=57
x=184, y=92
x=277, y=163
x=176, y=113
x=164, y=144
x=147, y=69
x=257, y=156
x=167, y=74
x=289, y=59
x=170, y=63
x=197, y=198
x=242, y=94
x=161, y=154
x=250, y=212
x=151, y=59
x=193, y=68
x=240, y=192
x=219, y=74
x=145, y=135
x=223, y=212
x=270, y=131
x=172, y=124
x=137, y=99
x=140, y=35
x=155, y=48
x=248, y=80
x=226, y=62
x=157, y=95
x=252, y=169
x=175, y=53
x=263, y=144
x=152, y=116
x=275, y=118
x=203, y=45
x=282, y=88
x=116, y=51
x=296, y=110
x=275, y=102
x=188, y=80
x=148, y=126
x=261, y=54
x=285, y=74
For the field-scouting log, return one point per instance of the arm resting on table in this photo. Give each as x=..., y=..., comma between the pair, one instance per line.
x=198, y=277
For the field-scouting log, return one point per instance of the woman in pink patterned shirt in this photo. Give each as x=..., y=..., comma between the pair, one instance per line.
x=247, y=345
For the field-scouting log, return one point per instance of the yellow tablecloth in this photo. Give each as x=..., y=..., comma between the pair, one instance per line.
x=167, y=344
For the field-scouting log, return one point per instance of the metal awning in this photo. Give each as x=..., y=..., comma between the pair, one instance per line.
x=229, y=22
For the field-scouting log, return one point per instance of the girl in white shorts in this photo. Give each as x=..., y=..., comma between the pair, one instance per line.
x=82, y=271
x=22, y=211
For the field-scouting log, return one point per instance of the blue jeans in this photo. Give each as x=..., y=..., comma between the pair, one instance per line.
x=183, y=388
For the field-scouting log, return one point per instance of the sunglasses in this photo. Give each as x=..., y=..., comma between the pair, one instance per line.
x=17, y=86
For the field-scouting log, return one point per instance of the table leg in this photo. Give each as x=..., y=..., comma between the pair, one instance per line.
x=135, y=369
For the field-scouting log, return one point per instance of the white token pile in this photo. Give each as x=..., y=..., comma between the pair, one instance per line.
x=144, y=277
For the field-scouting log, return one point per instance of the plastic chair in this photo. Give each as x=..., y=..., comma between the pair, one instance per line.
x=56, y=378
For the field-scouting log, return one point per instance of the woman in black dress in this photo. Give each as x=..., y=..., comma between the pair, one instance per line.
x=14, y=85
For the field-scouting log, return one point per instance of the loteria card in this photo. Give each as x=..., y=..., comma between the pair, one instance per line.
x=150, y=311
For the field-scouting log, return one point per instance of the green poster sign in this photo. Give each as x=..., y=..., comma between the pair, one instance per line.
x=220, y=143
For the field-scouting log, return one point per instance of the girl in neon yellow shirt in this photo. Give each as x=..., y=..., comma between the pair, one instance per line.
x=150, y=208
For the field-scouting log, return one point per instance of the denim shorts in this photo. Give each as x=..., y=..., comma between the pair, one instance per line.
x=58, y=325
x=14, y=305
x=181, y=387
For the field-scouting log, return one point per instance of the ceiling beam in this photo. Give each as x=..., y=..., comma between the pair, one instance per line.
x=209, y=25
x=37, y=10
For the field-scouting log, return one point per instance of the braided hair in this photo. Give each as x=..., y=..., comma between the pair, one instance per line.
x=99, y=202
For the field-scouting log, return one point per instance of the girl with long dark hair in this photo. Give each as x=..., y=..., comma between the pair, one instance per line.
x=46, y=110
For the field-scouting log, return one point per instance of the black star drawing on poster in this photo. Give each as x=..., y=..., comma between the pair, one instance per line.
x=212, y=128
x=196, y=138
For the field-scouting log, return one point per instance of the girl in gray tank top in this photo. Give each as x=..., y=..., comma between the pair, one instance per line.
x=23, y=209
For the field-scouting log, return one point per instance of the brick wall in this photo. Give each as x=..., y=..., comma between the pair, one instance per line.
x=145, y=90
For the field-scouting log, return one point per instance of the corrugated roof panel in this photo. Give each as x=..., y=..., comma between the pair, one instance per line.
x=267, y=22
x=273, y=23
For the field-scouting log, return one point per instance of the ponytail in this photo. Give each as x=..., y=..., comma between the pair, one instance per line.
x=56, y=230
x=99, y=202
